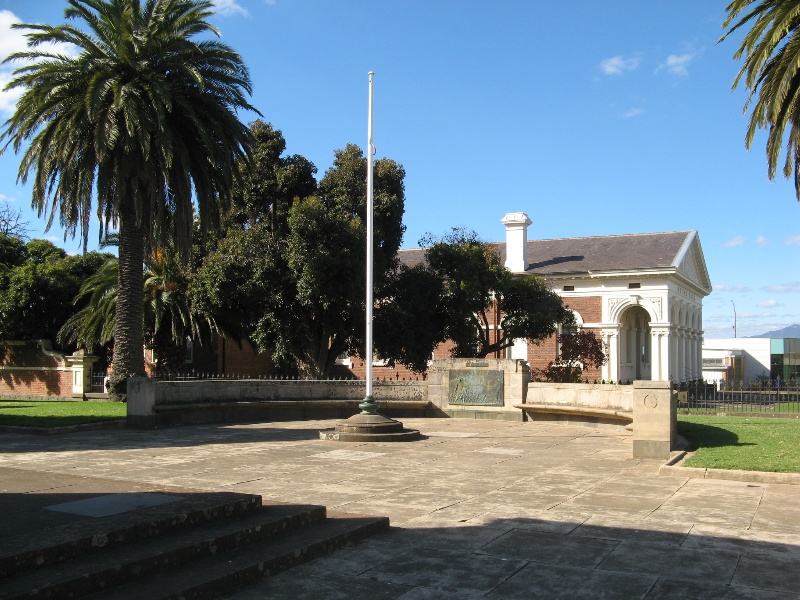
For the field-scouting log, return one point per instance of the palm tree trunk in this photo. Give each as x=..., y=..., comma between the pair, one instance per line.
x=128, y=335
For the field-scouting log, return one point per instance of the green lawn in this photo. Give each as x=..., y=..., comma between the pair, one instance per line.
x=747, y=443
x=41, y=413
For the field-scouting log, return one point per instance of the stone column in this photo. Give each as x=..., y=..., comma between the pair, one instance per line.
x=655, y=354
x=655, y=419
x=611, y=368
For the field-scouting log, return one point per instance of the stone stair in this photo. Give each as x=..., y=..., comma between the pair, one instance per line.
x=202, y=546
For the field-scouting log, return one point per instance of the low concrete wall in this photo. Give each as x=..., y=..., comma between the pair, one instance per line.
x=152, y=402
x=608, y=396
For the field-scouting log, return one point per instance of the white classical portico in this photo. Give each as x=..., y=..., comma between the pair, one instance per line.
x=642, y=294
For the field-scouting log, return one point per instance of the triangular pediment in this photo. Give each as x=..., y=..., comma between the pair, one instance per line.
x=691, y=263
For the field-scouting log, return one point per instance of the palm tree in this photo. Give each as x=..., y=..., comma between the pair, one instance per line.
x=142, y=121
x=771, y=51
x=168, y=318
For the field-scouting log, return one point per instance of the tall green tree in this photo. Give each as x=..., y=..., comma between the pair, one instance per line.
x=37, y=284
x=299, y=285
x=270, y=182
x=771, y=73
x=141, y=123
x=168, y=318
x=487, y=307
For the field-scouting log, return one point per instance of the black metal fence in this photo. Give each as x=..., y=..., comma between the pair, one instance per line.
x=763, y=398
x=99, y=382
x=195, y=376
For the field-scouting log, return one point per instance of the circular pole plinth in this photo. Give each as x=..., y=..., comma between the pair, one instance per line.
x=369, y=428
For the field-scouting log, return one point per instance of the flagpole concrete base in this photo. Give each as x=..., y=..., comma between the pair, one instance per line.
x=369, y=428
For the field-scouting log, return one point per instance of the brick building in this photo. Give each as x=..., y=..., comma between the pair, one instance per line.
x=642, y=294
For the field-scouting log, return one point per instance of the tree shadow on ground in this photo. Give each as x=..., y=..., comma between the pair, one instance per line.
x=708, y=436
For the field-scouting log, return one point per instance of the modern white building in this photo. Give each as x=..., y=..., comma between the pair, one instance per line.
x=752, y=358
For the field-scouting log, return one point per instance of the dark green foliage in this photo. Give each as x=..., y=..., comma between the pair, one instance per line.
x=294, y=283
x=409, y=321
x=771, y=53
x=473, y=280
x=37, y=288
x=270, y=183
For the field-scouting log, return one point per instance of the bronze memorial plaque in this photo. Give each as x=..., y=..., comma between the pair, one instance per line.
x=476, y=387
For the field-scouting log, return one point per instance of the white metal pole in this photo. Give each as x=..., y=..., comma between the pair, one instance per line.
x=370, y=156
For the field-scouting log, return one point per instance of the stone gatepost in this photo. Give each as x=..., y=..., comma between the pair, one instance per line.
x=81, y=366
x=141, y=399
x=655, y=419
x=484, y=388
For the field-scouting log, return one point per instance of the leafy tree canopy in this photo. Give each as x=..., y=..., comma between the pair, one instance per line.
x=473, y=280
x=294, y=283
x=37, y=286
x=771, y=72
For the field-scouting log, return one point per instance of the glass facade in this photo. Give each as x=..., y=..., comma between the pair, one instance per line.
x=785, y=359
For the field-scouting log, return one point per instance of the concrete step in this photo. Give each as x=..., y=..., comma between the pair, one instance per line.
x=82, y=536
x=83, y=575
x=218, y=576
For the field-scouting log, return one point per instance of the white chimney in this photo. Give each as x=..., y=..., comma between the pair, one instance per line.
x=516, y=241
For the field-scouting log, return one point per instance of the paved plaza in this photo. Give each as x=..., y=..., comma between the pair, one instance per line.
x=479, y=509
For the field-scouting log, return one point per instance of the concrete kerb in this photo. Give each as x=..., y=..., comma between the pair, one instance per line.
x=674, y=468
x=115, y=424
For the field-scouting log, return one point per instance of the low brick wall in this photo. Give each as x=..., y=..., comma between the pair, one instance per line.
x=32, y=369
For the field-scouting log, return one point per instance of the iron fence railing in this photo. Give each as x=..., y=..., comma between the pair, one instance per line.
x=762, y=397
x=197, y=376
x=99, y=382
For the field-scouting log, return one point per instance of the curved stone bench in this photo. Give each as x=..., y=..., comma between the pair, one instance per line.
x=584, y=415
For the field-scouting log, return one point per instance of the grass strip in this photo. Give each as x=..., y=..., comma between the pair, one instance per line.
x=746, y=443
x=42, y=413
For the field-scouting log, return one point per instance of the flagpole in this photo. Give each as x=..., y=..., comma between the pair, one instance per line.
x=368, y=425
x=369, y=406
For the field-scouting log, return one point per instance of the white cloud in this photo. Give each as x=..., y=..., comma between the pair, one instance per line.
x=731, y=288
x=737, y=241
x=633, y=112
x=793, y=240
x=677, y=64
x=762, y=241
x=12, y=41
x=786, y=288
x=768, y=304
x=617, y=65
x=227, y=8
x=4, y=198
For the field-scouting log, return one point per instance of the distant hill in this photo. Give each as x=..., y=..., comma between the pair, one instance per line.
x=792, y=331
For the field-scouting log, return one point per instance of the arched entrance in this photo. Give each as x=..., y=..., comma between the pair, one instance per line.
x=635, y=353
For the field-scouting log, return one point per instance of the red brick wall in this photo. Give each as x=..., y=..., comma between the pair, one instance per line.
x=235, y=360
x=28, y=371
x=589, y=308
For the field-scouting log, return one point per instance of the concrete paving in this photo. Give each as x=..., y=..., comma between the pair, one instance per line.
x=479, y=509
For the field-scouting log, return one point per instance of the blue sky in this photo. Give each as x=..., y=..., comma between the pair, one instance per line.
x=595, y=118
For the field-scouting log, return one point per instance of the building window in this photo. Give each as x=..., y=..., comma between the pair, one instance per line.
x=344, y=359
x=568, y=288
x=634, y=286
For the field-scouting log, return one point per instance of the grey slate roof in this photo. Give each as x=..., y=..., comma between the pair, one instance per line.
x=599, y=254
